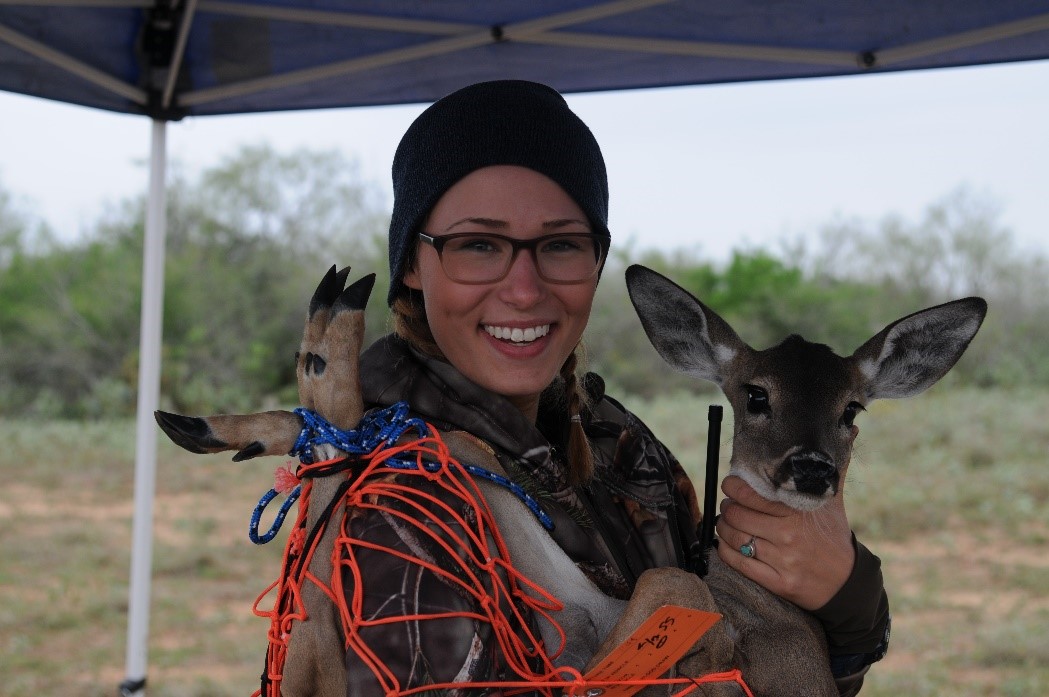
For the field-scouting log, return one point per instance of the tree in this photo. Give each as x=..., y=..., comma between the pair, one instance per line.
x=33, y=353
x=247, y=242
x=249, y=238
x=957, y=248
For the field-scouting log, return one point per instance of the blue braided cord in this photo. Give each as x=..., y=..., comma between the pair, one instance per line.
x=375, y=429
x=512, y=486
x=256, y=515
x=515, y=489
x=383, y=426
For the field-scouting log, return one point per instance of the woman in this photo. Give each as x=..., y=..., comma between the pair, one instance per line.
x=497, y=239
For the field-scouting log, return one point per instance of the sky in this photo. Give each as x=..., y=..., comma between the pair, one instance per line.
x=707, y=169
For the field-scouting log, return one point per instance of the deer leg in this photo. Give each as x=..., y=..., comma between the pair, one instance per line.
x=329, y=383
x=671, y=586
x=251, y=435
x=315, y=664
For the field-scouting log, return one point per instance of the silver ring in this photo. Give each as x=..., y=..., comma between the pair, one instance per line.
x=748, y=549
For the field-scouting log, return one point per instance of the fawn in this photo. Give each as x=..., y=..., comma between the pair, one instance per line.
x=793, y=407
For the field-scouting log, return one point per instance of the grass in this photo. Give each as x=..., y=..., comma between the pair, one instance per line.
x=951, y=489
x=65, y=527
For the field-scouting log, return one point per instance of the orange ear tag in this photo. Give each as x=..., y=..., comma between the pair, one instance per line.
x=649, y=651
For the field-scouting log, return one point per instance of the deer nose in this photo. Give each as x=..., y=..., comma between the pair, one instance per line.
x=813, y=473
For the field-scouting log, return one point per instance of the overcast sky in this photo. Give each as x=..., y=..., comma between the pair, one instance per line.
x=708, y=168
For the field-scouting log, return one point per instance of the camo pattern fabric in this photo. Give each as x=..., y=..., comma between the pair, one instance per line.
x=640, y=511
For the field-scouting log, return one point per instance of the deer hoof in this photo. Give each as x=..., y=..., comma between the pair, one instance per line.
x=189, y=432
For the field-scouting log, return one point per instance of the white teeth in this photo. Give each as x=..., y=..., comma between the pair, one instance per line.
x=516, y=334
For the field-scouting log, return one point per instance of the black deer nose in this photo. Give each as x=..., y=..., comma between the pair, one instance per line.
x=812, y=474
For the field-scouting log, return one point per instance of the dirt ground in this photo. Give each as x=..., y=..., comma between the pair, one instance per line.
x=970, y=602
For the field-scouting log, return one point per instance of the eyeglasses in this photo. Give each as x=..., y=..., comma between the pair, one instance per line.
x=481, y=257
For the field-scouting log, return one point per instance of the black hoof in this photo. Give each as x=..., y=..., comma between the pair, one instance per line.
x=189, y=432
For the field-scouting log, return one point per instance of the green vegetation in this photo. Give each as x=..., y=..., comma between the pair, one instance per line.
x=246, y=244
x=248, y=239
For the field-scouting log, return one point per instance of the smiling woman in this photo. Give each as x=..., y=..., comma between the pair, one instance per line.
x=497, y=240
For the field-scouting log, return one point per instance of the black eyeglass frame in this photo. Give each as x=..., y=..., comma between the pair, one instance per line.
x=516, y=245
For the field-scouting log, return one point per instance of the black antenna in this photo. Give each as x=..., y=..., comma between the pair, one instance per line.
x=710, y=485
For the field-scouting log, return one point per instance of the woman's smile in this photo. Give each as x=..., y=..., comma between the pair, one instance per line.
x=517, y=335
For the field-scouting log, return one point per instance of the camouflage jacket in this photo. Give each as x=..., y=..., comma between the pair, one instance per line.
x=639, y=511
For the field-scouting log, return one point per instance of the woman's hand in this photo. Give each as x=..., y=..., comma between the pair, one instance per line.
x=802, y=556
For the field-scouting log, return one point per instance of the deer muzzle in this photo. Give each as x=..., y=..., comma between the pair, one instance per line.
x=812, y=472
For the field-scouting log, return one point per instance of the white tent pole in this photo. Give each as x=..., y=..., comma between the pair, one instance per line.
x=146, y=428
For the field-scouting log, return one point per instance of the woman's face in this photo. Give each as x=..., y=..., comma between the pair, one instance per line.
x=469, y=321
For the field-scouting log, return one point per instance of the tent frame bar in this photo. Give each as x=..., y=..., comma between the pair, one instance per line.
x=80, y=3
x=708, y=49
x=477, y=37
x=72, y=65
x=943, y=44
x=340, y=19
x=178, y=53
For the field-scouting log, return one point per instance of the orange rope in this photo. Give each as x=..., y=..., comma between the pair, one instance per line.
x=476, y=571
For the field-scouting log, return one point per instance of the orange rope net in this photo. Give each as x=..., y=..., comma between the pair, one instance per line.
x=503, y=595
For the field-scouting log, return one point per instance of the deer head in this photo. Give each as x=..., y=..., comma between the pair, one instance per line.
x=794, y=404
x=326, y=368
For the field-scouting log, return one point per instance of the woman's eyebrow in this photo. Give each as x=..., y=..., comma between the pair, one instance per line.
x=484, y=222
x=497, y=224
x=564, y=222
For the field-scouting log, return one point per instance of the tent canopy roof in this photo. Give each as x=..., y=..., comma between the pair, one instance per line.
x=173, y=58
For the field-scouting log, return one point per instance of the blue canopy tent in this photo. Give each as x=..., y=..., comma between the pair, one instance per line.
x=168, y=59
x=174, y=58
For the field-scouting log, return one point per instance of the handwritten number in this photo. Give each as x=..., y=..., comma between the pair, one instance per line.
x=656, y=640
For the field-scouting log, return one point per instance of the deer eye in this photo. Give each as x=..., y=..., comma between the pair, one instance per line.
x=757, y=400
x=850, y=413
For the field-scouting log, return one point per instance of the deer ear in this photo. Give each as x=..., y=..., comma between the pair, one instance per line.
x=688, y=335
x=910, y=355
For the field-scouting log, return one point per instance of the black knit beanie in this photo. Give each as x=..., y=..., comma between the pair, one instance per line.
x=505, y=122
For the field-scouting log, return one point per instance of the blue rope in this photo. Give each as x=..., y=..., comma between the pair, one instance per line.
x=256, y=515
x=378, y=427
x=476, y=471
x=384, y=426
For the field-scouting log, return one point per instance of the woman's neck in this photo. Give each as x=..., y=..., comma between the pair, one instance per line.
x=528, y=405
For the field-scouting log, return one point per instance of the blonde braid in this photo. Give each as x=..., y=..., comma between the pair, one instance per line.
x=580, y=457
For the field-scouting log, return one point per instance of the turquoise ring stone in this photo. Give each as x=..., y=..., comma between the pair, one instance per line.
x=747, y=549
